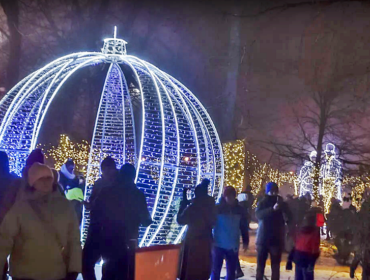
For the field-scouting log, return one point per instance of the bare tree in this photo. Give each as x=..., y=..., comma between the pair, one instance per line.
x=334, y=105
x=11, y=10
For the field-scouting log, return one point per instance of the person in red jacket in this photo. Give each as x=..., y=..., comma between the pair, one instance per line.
x=306, y=250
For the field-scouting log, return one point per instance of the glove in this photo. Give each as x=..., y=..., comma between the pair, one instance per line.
x=352, y=273
x=289, y=265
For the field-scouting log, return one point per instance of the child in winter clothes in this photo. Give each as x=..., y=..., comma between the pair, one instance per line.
x=306, y=250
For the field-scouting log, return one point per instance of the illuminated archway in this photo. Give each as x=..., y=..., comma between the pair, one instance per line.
x=178, y=145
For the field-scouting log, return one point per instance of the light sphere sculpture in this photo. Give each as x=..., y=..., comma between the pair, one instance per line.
x=173, y=145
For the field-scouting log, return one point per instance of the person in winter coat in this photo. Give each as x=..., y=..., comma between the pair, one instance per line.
x=56, y=183
x=306, y=250
x=41, y=233
x=272, y=213
x=15, y=191
x=231, y=222
x=361, y=241
x=246, y=200
x=6, y=180
x=109, y=177
x=72, y=186
x=200, y=216
x=115, y=218
x=92, y=250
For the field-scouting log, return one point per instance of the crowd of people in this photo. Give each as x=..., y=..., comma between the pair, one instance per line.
x=41, y=212
x=40, y=217
x=229, y=220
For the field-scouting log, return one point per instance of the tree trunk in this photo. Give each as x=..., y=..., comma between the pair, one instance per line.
x=11, y=10
x=320, y=140
x=231, y=87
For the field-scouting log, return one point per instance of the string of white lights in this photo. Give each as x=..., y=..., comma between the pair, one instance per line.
x=178, y=142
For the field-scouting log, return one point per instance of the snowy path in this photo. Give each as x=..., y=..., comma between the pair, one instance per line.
x=249, y=270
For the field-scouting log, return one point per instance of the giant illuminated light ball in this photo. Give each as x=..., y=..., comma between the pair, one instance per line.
x=173, y=143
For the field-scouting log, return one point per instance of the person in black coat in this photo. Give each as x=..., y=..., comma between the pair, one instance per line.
x=6, y=180
x=116, y=216
x=200, y=216
x=272, y=213
x=92, y=250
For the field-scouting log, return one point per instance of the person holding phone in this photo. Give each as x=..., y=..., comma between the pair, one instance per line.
x=272, y=214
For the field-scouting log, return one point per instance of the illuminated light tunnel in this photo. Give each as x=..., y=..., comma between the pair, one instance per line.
x=176, y=144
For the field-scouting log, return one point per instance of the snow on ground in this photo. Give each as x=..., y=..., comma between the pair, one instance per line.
x=249, y=270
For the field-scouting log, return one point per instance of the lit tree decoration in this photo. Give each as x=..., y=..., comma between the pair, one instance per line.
x=234, y=157
x=358, y=185
x=258, y=174
x=331, y=175
x=173, y=126
x=66, y=149
x=306, y=175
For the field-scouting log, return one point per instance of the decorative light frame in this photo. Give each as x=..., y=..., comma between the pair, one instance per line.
x=178, y=138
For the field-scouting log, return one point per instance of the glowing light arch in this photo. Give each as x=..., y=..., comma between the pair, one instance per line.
x=178, y=145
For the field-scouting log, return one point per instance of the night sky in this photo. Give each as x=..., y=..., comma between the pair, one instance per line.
x=255, y=65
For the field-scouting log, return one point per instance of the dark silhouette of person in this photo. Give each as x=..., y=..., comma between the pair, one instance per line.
x=200, y=216
x=6, y=180
x=92, y=251
x=270, y=213
x=109, y=176
x=115, y=218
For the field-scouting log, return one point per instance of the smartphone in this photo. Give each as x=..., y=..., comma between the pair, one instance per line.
x=188, y=193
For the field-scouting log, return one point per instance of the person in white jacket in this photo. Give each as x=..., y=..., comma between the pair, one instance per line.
x=41, y=232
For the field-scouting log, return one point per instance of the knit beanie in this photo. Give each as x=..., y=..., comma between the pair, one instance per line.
x=271, y=186
x=38, y=171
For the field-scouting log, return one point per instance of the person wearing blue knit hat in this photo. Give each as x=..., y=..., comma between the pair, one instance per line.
x=272, y=214
x=271, y=187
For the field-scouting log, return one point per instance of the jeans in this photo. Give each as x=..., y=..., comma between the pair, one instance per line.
x=218, y=256
x=275, y=256
x=304, y=273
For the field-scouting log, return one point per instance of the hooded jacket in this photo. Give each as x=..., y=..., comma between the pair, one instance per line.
x=35, y=252
x=231, y=222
